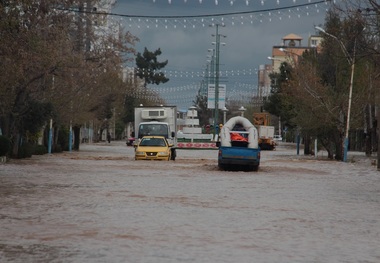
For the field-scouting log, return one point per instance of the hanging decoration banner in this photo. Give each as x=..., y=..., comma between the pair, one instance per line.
x=298, y=9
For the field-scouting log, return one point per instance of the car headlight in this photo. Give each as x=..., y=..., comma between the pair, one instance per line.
x=163, y=153
x=140, y=153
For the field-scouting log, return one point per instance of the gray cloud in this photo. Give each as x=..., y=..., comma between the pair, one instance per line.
x=247, y=44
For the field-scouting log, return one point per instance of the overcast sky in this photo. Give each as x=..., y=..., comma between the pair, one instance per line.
x=184, y=41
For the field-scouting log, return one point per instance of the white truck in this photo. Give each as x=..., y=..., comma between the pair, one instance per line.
x=266, y=137
x=266, y=133
x=157, y=120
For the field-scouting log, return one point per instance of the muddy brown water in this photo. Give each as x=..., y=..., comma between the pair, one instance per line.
x=100, y=205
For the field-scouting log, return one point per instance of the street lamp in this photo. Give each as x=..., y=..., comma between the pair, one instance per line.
x=295, y=56
x=351, y=60
x=276, y=63
x=217, y=53
x=224, y=114
x=242, y=110
x=212, y=64
x=192, y=108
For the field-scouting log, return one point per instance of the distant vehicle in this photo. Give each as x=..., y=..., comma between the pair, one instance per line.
x=277, y=137
x=130, y=141
x=266, y=133
x=153, y=148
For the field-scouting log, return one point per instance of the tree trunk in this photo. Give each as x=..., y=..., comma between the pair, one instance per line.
x=14, y=135
x=328, y=146
x=55, y=137
x=368, y=145
x=76, y=132
x=16, y=143
x=100, y=134
x=368, y=131
x=330, y=154
x=306, y=141
x=339, y=149
x=4, y=125
x=378, y=137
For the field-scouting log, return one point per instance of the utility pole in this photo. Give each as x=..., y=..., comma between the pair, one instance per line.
x=217, y=74
x=217, y=51
x=212, y=67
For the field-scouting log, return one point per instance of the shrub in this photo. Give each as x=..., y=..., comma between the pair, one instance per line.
x=5, y=145
x=40, y=150
x=57, y=148
x=63, y=139
x=26, y=150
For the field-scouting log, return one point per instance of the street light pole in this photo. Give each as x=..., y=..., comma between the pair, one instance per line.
x=212, y=66
x=224, y=114
x=242, y=110
x=217, y=73
x=217, y=51
x=192, y=108
x=352, y=62
x=349, y=107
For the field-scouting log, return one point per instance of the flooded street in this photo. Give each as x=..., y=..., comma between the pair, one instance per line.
x=100, y=205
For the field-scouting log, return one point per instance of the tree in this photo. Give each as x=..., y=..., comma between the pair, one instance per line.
x=319, y=85
x=204, y=114
x=45, y=56
x=31, y=50
x=148, y=67
x=278, y=102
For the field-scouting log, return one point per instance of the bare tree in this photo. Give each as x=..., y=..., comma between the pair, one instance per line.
x=47, y=56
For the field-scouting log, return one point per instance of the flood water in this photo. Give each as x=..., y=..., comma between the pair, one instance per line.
x=100, y=205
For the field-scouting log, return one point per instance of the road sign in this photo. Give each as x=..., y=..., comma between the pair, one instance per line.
x=211, y=96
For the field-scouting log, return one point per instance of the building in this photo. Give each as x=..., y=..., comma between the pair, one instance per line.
x=291, y=49
x=264, y=84
x=315, y=41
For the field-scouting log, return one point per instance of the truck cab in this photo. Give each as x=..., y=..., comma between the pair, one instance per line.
x=154, y=128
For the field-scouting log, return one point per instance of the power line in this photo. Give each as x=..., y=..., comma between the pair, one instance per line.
x=196, y=16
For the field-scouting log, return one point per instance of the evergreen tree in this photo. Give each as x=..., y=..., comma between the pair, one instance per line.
x=278, y=102
x=148, y=67
x=204, y=114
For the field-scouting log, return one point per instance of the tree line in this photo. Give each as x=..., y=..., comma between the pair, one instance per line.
x=55, y=65
x=312, y=94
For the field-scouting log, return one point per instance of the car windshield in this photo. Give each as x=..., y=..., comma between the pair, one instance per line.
x=152, y=142
x=153, y=129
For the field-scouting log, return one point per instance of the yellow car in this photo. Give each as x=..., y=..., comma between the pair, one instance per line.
x=153, y=148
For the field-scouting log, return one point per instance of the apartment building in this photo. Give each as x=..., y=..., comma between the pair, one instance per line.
x=289, y=51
